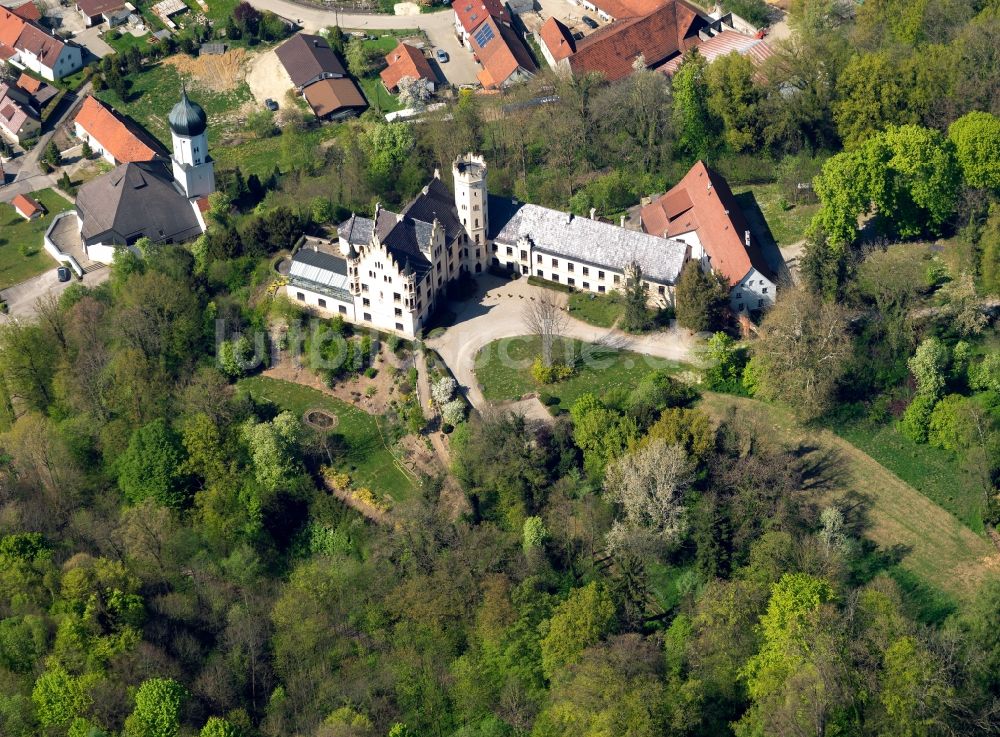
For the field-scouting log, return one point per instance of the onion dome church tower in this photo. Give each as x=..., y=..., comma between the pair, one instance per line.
x=194, y=170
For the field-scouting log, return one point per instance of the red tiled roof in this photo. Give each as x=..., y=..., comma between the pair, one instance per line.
x=10, y=28
x=98, y=7
x=502, y=55
x=29, y=84
x=25, y=205
x=703, y=202
x=670, y=28
x=406, y=61
x=619, y=9
x=557, y=38
x=471, y=13
x=112, y=132
x=28, y=11
x=756, y=49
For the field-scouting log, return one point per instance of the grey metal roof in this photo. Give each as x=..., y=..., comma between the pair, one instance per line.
x=321, y=272
x=594, y=242
x=502, y=209
x=135, y=200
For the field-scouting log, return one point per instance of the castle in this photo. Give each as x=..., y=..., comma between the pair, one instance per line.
x=390, y=271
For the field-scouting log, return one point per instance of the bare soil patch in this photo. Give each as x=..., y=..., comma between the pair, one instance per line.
x=219, y=73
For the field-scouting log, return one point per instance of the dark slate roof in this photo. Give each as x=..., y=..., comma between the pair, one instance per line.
x=135, y=200
x=435, y=201
x=307, y=57
x=356, y=230
x=501, y=211
x=404, y=242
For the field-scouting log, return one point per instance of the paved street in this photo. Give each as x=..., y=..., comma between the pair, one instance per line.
x=461, y=69
x=498, y=313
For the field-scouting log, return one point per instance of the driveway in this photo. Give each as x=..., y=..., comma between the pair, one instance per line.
x=21, y=298
x=497, y=312
x=91, y=40
x=439, y=27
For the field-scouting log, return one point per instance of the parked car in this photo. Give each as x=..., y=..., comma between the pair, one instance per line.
x=589, y=22
x=270, y=104
x=63, y=274
x=441, y=55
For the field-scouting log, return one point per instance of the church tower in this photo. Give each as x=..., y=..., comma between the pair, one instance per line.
x=469, y=171
x=194, y=170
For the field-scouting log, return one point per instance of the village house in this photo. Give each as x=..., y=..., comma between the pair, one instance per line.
x=316, y=72
x=406, y=61
x=20, y=119
x=149, y=199
x=470, y=14
x=112, y=12
x=26, y=45
x=657, y=32
x=702, y=212
x=112, y=136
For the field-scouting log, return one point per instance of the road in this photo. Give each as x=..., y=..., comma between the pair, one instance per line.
x=498, y=314
x=439, y=27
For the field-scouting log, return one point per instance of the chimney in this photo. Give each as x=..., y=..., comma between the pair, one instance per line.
x=569, y=217
x=746, y=237
x=437, y=173
x=593, y=212
x=622, y=222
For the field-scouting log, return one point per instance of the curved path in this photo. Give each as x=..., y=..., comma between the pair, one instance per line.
x=497, y=314
x=439, y=27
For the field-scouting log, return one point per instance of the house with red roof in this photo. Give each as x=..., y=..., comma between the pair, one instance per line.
x=407, y=61
x=556, y=41
x=27, y=45
x=702, y=212
x=470, y=14
x=27, y=207
x=112, y=136
x=503, y=55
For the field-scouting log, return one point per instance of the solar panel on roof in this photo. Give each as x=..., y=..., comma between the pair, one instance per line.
x=484, y=35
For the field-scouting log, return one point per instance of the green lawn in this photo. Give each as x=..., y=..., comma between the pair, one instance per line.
x=596, y=309
x=504, y=370
x=365, y=457
x=16, y=232
x=156, y=90
x=787, y=226
x=933, y=472
x=378, y=98
x=260, y=155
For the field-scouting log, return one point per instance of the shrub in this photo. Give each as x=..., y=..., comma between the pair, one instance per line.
x=453, y=413
x=443, y=390
x=985, y=375
x=949, y=426
x=916, y=418
x=28, y=249
x=552, y=374
x=371, y=372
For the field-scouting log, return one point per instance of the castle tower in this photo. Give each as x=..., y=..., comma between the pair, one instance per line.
x=194, y=170
x=469, y=171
